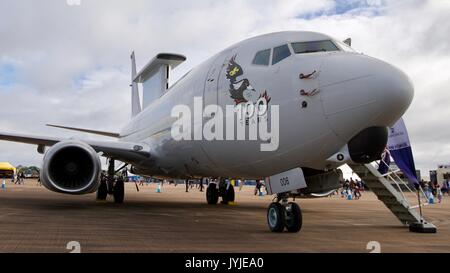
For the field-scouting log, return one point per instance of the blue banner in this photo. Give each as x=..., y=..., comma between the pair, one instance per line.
x=400, y=149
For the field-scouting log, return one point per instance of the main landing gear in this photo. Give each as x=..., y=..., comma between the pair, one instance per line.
x=283, y=214
x=102, y=191
x=224, y=190
x=119, y=191
x=110, y=185
x=212, y=194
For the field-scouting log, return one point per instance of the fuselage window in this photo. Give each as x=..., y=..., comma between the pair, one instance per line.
x=280, y=53
x=316, y=46
x=262, y=57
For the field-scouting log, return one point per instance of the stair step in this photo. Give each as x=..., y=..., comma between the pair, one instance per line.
x=388, y=194
x=384, y=194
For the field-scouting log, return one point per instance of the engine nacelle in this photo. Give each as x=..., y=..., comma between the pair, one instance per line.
x=71, y=167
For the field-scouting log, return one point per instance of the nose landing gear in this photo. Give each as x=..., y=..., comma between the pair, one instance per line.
x=283, y=214
x=276, y=217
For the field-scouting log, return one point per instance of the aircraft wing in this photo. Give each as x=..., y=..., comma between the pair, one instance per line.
x=121, y=150
x=95, y=132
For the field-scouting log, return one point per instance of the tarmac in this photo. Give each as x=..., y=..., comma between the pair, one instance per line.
x=33, y=219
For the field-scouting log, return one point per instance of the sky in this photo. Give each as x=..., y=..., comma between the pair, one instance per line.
x=67, y=61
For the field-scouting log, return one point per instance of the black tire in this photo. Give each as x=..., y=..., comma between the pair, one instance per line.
x=119, y=192
x=229, y=195
x=212, y=194
x=275, y=217
x=222, y=188
x=293, y=218
x=102, y=191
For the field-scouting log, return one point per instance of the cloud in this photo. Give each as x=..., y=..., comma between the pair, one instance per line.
x=70, y=64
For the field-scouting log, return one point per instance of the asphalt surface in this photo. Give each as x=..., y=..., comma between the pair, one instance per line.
x=33, y=219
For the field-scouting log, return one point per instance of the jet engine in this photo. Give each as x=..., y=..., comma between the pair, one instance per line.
x=71, y=167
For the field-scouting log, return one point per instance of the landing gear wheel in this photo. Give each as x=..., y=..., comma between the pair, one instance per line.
x=293, y=219
x=119, y=192
x=110, y=177
x=276, y=217
x=212, y=194
x=102, y=191
x=228, y=195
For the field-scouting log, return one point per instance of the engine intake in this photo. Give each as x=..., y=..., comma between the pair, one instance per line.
x=71, y=167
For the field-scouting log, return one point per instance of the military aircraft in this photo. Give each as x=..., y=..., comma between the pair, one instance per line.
x=325, y=105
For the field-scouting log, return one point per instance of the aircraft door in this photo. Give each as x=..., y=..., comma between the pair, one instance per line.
x=211, y=82
x=210, y=97
x=213, y=78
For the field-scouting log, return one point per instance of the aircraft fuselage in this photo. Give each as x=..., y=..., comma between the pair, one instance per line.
x=339, y=94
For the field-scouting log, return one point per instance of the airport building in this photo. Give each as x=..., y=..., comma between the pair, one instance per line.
x=441, y=174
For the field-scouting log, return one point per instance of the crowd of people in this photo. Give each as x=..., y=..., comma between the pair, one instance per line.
x=352, y=189
x=349, y=189
x=18, y=179
x=433, y=190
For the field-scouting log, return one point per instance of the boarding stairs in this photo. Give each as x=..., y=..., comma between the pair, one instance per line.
x=389, y=190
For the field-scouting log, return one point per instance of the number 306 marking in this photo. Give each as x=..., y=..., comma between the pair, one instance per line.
x=284, y=181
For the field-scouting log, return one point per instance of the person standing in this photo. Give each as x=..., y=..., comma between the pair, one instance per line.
x=357, y=192
x=125, y=174
x=439, y=193
x=434, y=185
x=241, y=184
x=187, y=185
x=426, y=190
x=201, y=184
x=18, y=177
x=258, y=187
x=352, y=185
x=446, y=187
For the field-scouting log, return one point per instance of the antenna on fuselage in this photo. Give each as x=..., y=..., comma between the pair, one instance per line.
x=348, y=41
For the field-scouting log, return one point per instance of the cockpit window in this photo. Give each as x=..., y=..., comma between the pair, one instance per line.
x=316, y=46
x=280, y=53
x=262, y=57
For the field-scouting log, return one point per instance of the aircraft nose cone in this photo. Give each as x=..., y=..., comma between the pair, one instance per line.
x=360, y=92
x=395, y=93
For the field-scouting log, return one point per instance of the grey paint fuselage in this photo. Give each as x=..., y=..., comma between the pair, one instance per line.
x=354, y=92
